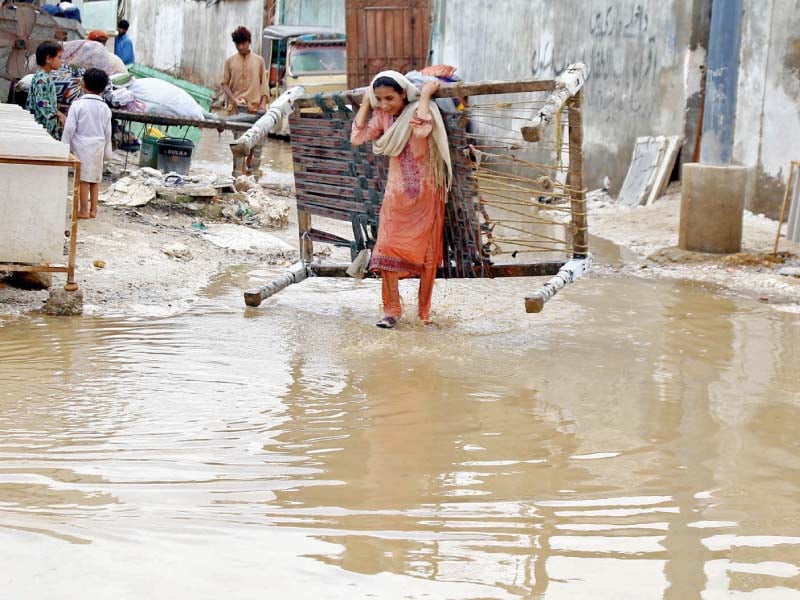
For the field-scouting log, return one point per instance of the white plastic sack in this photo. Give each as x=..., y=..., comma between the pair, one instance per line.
x=88, y=54
x=165, y=99
x=122, y=97
x=24, y=84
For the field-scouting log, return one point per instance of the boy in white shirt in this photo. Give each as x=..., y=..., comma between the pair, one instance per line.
x=88, y=133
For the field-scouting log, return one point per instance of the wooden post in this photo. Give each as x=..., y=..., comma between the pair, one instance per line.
x=304, y=227
x=568, y=84
x=580, y=222
x=294, y=274
x=447, y=90
x=259, y=131
x=574, y=269
x=220, y=124
x=71, y=286
x=786, y=196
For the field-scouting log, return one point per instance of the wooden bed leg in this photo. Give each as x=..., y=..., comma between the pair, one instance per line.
x=73, y=237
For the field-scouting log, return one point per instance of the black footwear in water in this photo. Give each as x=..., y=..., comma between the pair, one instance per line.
x=387, y=323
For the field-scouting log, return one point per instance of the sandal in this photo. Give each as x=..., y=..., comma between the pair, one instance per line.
x=387, y=323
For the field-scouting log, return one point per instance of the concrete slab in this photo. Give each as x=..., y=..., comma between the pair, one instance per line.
x=712, y=208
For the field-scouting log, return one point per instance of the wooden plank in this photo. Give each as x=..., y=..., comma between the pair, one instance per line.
x=648, y=152
x=315, y=126
x=543, y=269
x=309, y=187
x=665, y=168
x=218, y=124
x=449, y=90
x=317, y=153
x=327, y=140
x=321, y=211
x=350, y=182
x=325, y=201
x=310, y=165
x=580, y=221
x=13, y=267
x=32, y=160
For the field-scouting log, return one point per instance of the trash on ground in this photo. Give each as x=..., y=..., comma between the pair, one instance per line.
x=177, y=251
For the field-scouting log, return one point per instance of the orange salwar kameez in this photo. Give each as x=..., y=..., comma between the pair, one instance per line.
x=412, y=215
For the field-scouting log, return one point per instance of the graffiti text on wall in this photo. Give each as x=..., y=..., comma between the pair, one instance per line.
x=621, y=50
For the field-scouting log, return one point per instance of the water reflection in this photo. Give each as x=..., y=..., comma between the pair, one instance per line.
x=636, y=440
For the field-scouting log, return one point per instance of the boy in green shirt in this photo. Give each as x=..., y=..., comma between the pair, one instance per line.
x=42, y=95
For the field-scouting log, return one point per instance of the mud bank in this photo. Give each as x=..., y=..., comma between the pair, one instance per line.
x=153, y=260
x=649, y=234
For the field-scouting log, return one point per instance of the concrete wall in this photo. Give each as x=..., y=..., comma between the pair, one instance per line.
x=644, y=57
x=98, y=14
x=189, y=39
x=323, y=13
x=768, y=109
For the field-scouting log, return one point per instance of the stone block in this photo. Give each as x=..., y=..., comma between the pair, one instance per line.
x=64, y=303
x=712, y=208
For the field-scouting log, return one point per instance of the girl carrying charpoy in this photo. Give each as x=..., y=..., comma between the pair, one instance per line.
x=411, y=132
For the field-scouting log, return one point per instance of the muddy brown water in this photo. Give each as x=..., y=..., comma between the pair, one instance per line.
x=635, y=440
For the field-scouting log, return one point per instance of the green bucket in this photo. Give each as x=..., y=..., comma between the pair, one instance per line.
x=148, y=153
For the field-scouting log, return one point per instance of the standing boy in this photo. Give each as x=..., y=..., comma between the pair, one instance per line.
x=246, y=84
x=123, y=46
x=88, y=133
x=42, y=101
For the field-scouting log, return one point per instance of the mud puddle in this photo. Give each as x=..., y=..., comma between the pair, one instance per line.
x=636, y=440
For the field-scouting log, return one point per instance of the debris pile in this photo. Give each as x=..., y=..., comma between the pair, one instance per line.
x=202, y=193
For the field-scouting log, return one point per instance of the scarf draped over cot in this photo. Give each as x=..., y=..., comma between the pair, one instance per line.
x=394, y=140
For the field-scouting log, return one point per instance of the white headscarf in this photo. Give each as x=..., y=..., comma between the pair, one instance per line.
x=394, y=139
x=412, y=93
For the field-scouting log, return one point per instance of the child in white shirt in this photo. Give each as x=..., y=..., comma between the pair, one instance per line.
x=88, y=133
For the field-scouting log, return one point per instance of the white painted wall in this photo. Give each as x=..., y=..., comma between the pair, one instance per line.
x=97, y=14
x=768, y=108
x=189, y=39
x=638, y=50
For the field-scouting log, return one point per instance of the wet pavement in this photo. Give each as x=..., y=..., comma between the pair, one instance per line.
x=635, y=440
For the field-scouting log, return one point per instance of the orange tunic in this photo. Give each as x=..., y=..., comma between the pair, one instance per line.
x=412, y=213
x=247, y=78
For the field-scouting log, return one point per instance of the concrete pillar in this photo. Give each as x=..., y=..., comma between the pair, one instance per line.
x=722, y=77
x=712, y=208
x=714, y=192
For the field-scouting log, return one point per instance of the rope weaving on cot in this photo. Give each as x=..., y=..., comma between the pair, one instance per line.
x=509, y=197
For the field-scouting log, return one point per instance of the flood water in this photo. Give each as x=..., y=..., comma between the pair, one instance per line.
x=635, y=440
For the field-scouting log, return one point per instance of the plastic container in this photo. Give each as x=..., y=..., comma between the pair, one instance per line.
x=148, y=153
x=175, y=155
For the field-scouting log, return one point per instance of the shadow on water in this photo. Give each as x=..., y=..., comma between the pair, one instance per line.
x=635, y=440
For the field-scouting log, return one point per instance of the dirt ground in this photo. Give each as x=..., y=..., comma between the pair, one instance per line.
x=154, y=259
x=650, y=236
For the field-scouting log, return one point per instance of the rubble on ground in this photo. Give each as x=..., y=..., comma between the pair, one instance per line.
x=204, y=194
